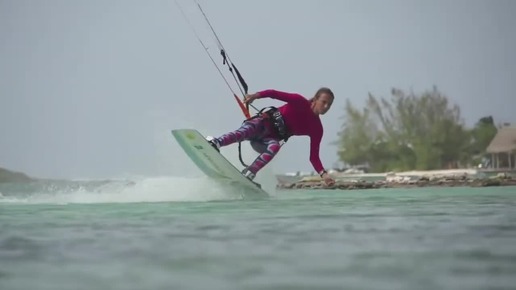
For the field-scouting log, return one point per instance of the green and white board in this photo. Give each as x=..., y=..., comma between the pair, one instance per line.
x=214, y=164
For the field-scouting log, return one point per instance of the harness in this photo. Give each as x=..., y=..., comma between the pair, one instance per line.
x=274, y=115
x=278, y=123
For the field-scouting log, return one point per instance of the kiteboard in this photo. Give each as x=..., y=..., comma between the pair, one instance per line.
x=214, y=164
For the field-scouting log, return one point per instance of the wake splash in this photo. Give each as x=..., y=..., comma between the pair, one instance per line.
x=156, y=189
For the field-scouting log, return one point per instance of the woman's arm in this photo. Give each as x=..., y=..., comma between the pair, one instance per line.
x=315, y=143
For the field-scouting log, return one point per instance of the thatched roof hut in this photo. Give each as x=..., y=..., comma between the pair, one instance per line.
x=504, y=141
x=503, y=148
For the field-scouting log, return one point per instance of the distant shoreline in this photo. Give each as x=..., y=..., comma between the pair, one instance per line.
x=13, y=176
x=409, y=179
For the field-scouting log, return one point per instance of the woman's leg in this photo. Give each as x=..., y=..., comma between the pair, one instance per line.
x=272, y=147
x=249, y=129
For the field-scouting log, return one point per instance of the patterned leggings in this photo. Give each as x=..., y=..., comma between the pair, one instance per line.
x=256, y=131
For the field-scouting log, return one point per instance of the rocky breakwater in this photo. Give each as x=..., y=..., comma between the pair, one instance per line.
x=392, y=180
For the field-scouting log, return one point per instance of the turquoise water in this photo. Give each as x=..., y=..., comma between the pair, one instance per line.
x=189, y=234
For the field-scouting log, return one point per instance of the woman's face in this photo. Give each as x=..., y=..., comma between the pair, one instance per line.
x=323, y=103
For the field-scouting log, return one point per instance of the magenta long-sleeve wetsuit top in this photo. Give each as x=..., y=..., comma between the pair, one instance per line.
x=300, y=120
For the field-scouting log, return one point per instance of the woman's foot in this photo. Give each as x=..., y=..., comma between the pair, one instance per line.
x=213, y=142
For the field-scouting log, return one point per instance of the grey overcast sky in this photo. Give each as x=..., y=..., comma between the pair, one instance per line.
x=91, y=89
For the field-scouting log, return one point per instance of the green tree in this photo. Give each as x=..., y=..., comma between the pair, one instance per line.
x=356, y=136
x=482, y=134
x=408, y=131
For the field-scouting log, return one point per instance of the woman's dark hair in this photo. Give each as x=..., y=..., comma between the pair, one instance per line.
x=323, y=90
